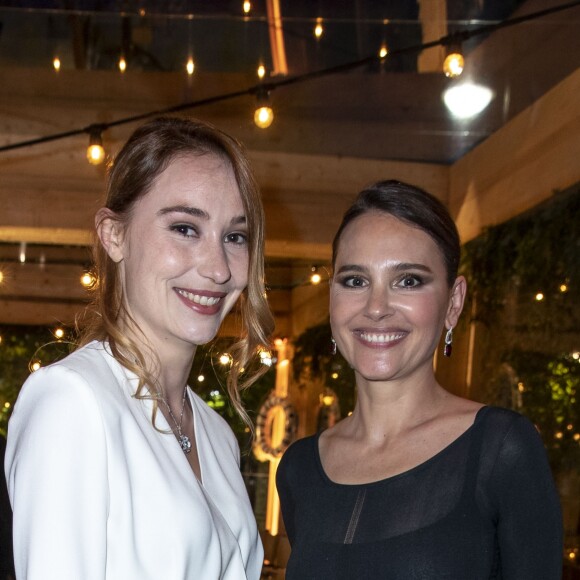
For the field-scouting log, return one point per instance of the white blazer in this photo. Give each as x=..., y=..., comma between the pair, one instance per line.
x=98, y=493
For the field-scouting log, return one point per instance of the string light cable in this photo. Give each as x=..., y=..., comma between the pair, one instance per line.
x=448, y=40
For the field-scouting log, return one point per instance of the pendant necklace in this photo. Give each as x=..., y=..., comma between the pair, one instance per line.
x=184, y=441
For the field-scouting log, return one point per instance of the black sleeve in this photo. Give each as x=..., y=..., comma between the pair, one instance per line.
x=287, y=503
x=528, y=509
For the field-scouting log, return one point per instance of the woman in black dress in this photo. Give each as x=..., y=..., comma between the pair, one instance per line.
x=417, y=484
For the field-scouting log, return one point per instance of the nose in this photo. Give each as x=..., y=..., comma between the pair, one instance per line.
x=214, y=263
x=380, y=303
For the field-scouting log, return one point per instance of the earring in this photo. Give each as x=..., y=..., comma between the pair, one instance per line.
x=332, y=346
x=448, y=343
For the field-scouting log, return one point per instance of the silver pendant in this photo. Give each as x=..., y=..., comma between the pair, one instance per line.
x=185, y=443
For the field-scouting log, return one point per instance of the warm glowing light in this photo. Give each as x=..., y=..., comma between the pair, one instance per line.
x=1, y=276
x=563, y=288
x=264, y=116
x=576, y=436
x=572, y=555
x=569, y=426
x=334, y=375
x=122, y=64
x=22, y=253
x=383, y=51
x=225, y=359
x=266, y=357
x=200, y=378
x=35, y=365
x=261, y=71
x=190, y=66
x=59, y=333
x=318, y=29
x=559, y=435
x=95, y=150
x=539, y=296
x=576, y=355
x=7, y=405
x=56, y=63
x=315, y=278
x=327, y=400
x=142, y=12
x=467, y=99
x=88, y=280
x=521, y=387
x=453, y=64
x=247, y=6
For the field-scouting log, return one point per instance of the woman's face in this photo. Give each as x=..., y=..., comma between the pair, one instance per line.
x=183, y=255
x=389, y=297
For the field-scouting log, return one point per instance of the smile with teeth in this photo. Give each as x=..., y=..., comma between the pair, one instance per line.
x=381, y=338
x=199, y=299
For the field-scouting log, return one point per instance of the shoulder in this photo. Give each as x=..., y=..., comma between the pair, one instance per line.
x=300, y=454
x=506, y=425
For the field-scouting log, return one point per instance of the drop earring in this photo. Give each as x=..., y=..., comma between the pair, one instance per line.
x=447, y=349
x=332, y=346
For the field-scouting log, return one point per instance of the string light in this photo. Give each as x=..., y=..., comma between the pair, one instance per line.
x=261, y=71
x=88, y=279
x=383, y=51
x=539, y=296
x=56, y=63
x=95, y=150
x=318, y=28
x=225, y=359
x=315, y=277
x=22, y=253
x=59, y=333
x=122, y=64
x=454, y=62
x=247, y=6
x=35, y=366
x=200, y=378
x=265, y=357
x=190, y=66
x=563, y=288
x=1, y=276
x=264, y=115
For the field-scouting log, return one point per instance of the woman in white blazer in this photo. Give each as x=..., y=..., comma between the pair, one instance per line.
x=116, y=469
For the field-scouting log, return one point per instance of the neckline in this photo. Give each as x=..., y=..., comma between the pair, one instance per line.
x=412, y=470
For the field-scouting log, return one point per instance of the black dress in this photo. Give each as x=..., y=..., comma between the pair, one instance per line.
x=484, y=507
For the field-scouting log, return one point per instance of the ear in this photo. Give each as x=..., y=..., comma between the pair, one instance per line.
x=110, y=232
x=456, y=300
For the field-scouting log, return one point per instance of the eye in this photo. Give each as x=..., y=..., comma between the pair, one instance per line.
x=237, y=238
x=186, y=230
x=353, y=282
x=410, y=281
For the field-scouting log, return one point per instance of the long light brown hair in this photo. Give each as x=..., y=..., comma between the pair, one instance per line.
x=147, y=153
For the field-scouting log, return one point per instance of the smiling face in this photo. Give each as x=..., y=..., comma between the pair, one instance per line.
x=389, y=298
x=183, y=256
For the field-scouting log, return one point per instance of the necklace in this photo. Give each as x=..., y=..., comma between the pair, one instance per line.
x=184, y=441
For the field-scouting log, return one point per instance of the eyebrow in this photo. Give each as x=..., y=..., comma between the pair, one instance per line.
x=401, y=267
x=196, y=212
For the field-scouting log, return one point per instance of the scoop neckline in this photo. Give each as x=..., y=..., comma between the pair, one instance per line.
x=406, y=473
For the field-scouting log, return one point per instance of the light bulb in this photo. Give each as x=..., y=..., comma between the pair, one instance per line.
x=225, y=359
x=95, y=150
x=318, y=29
x=122, y=64
x=247, y=6
x=264, y=116
x=261, y=71
x=190, y=66
x=59, y=333
x=453, y=64
x=315, y=277
x=383, y=51
x=56, y=63
x=88, y=280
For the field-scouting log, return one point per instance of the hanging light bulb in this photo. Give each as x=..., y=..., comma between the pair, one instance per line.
x=88, y=279
x=122, y=64
x=315, y=277
x=264, y=115
x=261, y=71
x=59, y=333
x=95, y=150
x=318, y=28
x=56, y=63
x=383, y=51
x=247, y=6
x=454, y=62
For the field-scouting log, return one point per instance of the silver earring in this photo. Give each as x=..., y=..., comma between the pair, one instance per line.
x=332, y=346
x=448, y=343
